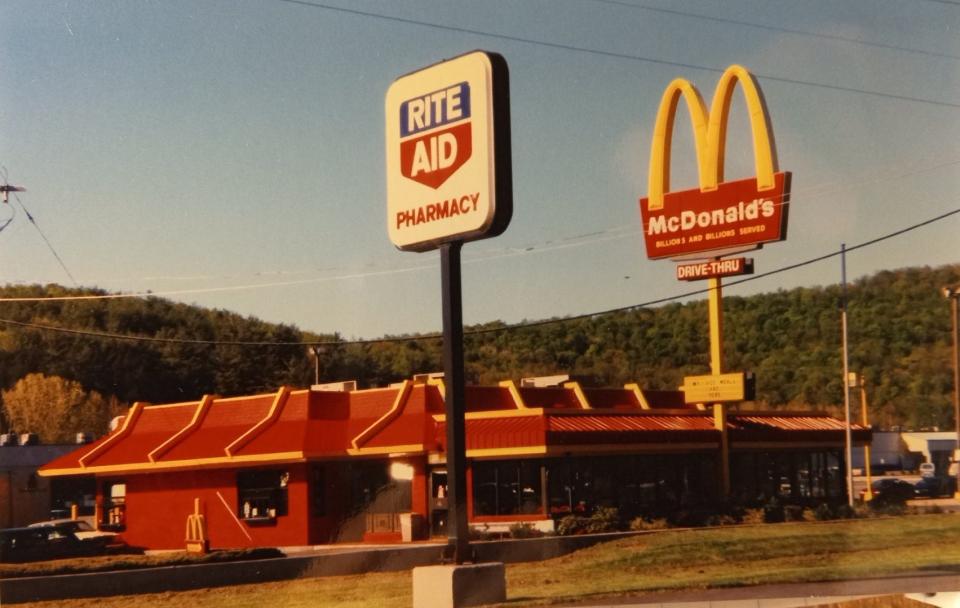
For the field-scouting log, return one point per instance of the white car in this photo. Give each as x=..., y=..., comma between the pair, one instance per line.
x=927, y=469
x=80, y=528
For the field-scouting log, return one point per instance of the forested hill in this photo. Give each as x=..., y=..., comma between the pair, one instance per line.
x=899, y=328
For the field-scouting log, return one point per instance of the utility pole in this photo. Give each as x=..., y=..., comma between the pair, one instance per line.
x=846, y=373
x=6, y=189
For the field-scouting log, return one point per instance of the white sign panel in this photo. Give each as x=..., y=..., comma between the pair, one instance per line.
x=448, y=153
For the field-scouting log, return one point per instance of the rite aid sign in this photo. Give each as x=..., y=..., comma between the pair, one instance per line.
x=448, y=153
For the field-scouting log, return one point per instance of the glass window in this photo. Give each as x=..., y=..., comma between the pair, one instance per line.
x=262, y=494
x=114, y=515
x=509, y=487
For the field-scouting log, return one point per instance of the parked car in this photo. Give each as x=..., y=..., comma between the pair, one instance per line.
x=80, y=527
x=55, y=541
x=936, y=486
x=928, y=469
x=891, y=490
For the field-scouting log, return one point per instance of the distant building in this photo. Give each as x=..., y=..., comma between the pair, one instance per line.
x=305, y=467
x=906, y=450
x=25, y=496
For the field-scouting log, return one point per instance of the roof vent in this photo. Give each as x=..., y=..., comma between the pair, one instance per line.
x=9, y=440
x=336, y=387
x=29, y=439
x=424, y=378
x=544, y=381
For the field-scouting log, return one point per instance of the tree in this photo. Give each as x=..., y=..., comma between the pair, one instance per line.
x=56, y=409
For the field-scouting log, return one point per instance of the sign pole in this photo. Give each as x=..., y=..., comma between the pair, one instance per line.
x=716, y=369
x=716, y=327
x=458, y=539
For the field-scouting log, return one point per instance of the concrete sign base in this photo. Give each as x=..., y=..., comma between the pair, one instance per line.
x=455, y=586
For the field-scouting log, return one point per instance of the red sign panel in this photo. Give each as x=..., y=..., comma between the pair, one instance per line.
x=434, y=157
x=715, y=268
x=735, y=215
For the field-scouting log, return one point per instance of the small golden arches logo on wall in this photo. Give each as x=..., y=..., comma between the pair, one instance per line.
x=718, y=218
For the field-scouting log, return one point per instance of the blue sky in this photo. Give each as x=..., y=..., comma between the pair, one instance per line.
x=231, y=153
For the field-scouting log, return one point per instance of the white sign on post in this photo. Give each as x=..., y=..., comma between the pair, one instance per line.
x=448, y=153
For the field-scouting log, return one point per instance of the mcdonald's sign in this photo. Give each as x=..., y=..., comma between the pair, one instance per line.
x=718, y=218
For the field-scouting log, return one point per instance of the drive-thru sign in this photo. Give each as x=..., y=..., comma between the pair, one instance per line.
x=448, y=148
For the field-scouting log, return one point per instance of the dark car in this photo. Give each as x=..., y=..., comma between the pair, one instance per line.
x=936, y=486
x=56, y=541
x=892, y=490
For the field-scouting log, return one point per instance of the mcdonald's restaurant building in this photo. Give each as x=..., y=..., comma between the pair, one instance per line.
x=307, y=467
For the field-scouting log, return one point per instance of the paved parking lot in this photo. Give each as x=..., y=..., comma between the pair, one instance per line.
x=946, y=503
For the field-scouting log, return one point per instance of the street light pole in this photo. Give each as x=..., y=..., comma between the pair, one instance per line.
x=953, y=294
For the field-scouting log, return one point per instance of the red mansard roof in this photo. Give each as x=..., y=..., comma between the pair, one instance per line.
x=501, y=421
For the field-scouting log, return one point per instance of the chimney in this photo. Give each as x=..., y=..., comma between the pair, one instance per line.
x=336, y=387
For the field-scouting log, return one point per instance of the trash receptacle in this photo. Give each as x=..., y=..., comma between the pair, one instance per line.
x=411, y=527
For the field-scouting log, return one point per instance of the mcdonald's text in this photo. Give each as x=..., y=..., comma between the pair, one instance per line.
x=734, y=215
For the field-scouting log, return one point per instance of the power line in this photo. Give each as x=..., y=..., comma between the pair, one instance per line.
x=774, y=28
x=475, y=257
x=45, y=239
x=489, y=330
x=580, y=49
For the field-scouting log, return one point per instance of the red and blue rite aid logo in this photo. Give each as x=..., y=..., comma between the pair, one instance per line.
x=436, y=135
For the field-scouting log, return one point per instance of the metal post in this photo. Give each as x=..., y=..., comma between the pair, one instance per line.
x=316, y=363
x=458, y=539
x=715, y=311
x=954, y=294
x=716, y=326
x=846, y=373
x=865, y=421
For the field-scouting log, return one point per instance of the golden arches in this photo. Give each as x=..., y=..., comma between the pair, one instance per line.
x=710, y=133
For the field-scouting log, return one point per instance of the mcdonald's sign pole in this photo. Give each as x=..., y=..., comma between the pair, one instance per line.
x=719, y=218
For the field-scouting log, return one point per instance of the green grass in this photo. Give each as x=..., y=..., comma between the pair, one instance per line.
x=675, y=559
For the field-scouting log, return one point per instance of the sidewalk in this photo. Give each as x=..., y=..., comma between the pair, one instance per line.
x=944, y=585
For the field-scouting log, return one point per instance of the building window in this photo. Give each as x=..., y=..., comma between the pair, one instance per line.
x=508, y=487
x=262, y=494
x=114, y=506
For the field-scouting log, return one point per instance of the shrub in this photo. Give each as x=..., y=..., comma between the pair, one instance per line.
x=639, y=524
x=524, y=530
x=752, y=516
x=773, y=512
x=724, y=519
x=481, y=533
x=845, y=511
x=793, y=513
x=823, y=512
x=604, y=519
x=571, y=524
x=887, y=507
